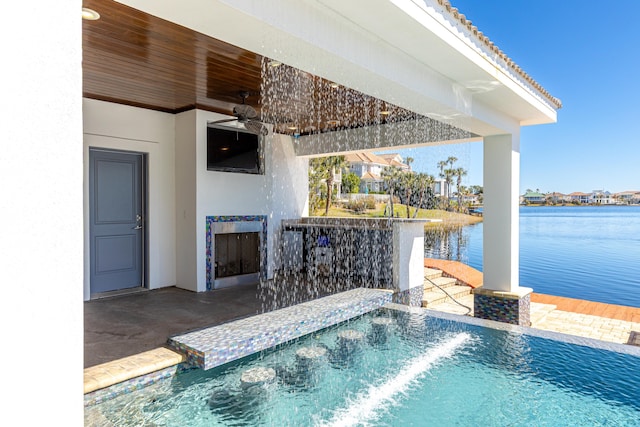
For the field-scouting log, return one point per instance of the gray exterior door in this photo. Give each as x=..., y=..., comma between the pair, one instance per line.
x=116, y=204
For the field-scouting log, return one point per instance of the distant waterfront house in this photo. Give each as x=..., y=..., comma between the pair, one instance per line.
x=371, y=183
x=469, y=199
x=602, y=197
x=627, y=197
x=578, y=197
x=533, y=197
x=555, y=198
x=395, y=160
x=369, y=166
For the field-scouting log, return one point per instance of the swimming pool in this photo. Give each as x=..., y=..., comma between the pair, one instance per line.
x=400, y=366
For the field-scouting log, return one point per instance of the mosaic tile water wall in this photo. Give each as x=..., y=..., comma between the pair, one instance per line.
x=211, y=347
x=411, y=297
x=234, y=218
x=516, y=311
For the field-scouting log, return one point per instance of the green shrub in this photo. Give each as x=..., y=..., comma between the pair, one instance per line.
x=360, y=205
x=369, y=202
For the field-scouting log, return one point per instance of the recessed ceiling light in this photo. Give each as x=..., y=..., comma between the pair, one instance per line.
x=292, y=127
x=90, y=14
x=385, y=113
x=224, y=148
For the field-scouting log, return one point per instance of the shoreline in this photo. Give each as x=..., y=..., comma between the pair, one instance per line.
x=447, y=219
x=535, y=205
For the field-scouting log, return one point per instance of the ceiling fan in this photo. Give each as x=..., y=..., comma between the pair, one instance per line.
x=247, y=115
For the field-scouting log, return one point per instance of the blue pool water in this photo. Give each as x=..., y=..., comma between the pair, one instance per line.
x=583, y=252
x=423, y=371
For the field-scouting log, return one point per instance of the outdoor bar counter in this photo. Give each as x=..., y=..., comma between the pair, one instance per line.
x=377, y=253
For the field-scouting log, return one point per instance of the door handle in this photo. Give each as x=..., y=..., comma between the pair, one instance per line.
x=138, y=226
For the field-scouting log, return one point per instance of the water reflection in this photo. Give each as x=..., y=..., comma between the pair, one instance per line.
x=447, y=243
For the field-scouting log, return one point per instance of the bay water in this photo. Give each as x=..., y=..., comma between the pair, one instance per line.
x=584, y=252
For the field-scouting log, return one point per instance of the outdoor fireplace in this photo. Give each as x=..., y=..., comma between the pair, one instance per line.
x=236, y=254
x=235, y=250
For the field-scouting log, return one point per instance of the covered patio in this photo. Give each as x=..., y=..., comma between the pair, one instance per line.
x=454, y=86
x=147, y=77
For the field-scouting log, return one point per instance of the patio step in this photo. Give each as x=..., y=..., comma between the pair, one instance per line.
x=443, y=282
x=436, y=296
x=464, y=306
x=432, y=273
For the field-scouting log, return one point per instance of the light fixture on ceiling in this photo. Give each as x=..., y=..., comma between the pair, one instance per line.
x=90, y=14
x=274, y=63
x=292, y=127
x=334, y=85
x=385, y=113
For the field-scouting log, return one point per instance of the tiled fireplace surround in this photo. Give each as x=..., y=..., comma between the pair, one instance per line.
x=217, y=223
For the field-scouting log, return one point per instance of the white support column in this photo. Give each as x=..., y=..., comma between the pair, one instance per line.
x=501, y=297
x=408, y=261
x=501, y=244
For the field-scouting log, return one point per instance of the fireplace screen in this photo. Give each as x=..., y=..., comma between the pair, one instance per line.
x=237, y=254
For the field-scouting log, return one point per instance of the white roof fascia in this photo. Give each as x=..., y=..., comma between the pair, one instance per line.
x=437, y=75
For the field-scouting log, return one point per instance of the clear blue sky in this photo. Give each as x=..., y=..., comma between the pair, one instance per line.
x=587, y=53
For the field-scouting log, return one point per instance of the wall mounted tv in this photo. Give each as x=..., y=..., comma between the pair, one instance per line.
x=233, y=150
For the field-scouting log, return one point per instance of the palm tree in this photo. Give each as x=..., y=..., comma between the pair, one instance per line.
x=451, y=160
x=448, y=178
x=391, y=175
x=409, y=160
x=423, y=183
x=408, y=180
x=325, y=168
x=442, y=164
x=333, y=164
x=459, y=173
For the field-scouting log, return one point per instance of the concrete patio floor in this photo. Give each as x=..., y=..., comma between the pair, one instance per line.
x=126, y=325
x=130, y=324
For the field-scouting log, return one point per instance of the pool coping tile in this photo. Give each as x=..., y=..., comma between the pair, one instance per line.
x=210, y=347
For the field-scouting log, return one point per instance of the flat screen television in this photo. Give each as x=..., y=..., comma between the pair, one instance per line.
x=233, y=150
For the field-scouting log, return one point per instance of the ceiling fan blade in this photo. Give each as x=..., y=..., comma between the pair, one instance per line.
x=222, y=121
x=256, y=127
x=245, y=111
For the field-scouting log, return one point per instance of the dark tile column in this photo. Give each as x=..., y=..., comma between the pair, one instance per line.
x=507, y=307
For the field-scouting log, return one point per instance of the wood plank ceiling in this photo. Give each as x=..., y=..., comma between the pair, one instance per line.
x=133, y=58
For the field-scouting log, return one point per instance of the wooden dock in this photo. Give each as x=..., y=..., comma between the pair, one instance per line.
x=472, y=277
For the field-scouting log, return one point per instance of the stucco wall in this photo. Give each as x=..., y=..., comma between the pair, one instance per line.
x=115, y=126
x=289, y=191
x=280, y=193
x=223, y=193
x=186, y=224
x=182, y=192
